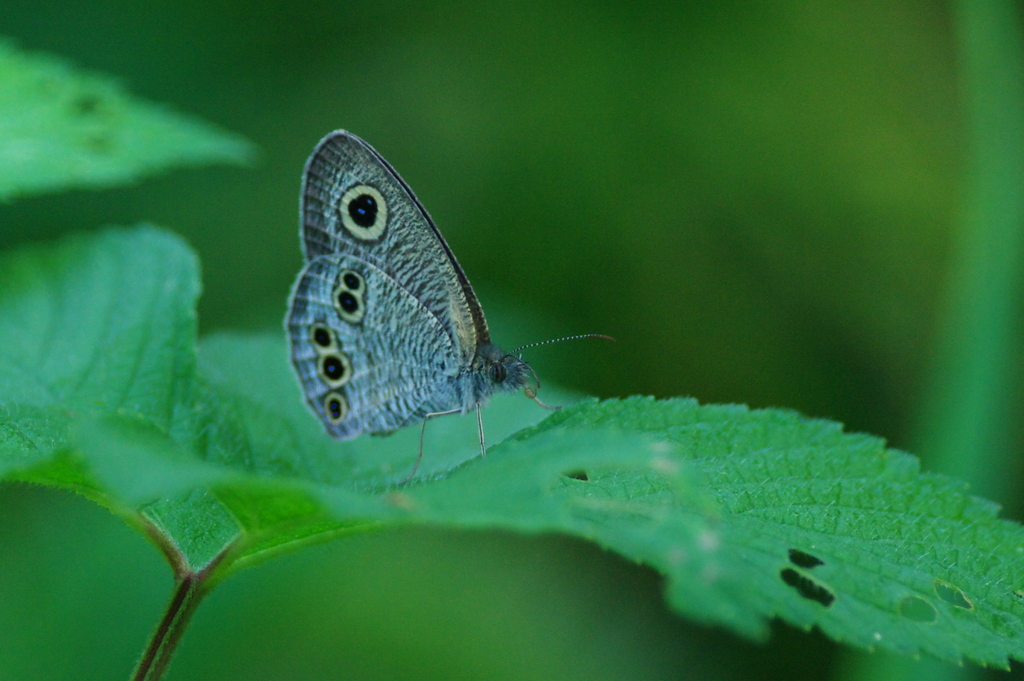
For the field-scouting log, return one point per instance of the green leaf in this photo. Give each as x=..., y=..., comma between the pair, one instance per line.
x=833, y=530
x=96, y=324
x=750, y=514
x=62, y=128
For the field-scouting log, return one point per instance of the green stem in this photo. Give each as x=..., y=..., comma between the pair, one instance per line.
x=969, y=412
x=188, y=593
x=189, y=589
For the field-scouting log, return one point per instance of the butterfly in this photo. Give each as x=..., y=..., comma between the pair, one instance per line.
x=385, y=329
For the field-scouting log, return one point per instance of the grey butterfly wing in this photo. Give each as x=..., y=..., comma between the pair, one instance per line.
x=383, y=323
x=403, y=242
x=372, y=365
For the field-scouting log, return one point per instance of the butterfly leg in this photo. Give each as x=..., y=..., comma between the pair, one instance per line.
x=423, y=431
x=480, y=430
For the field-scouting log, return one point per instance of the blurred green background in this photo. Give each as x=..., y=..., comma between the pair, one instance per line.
x=758, y=200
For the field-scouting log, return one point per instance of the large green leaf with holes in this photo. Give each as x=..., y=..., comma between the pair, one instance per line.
x=750, y=514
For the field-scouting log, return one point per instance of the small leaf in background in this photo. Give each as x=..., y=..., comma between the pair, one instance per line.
x=64, y=128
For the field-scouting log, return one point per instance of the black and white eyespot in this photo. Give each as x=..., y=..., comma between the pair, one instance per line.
x=364, y=213
x=335, y=408
x=349, y=305
x=351, y=280
x=322, y=337
x=348, y=296
x=334, y=368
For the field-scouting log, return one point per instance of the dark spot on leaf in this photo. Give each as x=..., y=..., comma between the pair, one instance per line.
x=952, y=595
x=1004, y=624
x=917, y=609
x=807, y=587
x=804, y=560
x=98, y=144
x=85, y=104
x=577, y=475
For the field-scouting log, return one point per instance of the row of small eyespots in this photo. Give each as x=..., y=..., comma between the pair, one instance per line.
x=332, y=365
x=334, y=368
x=348, y=296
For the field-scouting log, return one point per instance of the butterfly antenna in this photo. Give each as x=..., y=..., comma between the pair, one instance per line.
x=559, y=340
x=531, y=391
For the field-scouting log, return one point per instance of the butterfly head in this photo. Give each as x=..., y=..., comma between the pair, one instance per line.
x=502, y=371
x=505, y=372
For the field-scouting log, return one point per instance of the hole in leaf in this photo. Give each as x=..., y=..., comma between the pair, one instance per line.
x=952, y=595
x=917, y=609
x=577, y=475
x=804, y=560
x=807, y=587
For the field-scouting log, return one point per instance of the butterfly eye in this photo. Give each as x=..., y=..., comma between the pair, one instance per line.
x=335, y=407
x=364, y=213
x=334, y=369
x=498, y=373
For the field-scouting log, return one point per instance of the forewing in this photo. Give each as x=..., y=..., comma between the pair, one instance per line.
x=403, y=243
